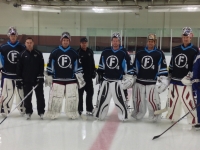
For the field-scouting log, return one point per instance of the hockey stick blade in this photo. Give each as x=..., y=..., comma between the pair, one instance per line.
x=155, y=137
x=158, y=112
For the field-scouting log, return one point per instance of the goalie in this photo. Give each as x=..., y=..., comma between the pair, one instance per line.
x=64, y=71
x=152, y=79
x=114, y=62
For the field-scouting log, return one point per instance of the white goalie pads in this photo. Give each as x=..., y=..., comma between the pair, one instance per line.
x=187, y=79
x=128, y=81
x=81, y=81
x=162, y=83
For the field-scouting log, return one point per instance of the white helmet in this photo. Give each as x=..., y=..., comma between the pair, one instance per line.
x=65, y=35
x=12, y=31
x=116, y=35
x=152, y=37
x=187, y=31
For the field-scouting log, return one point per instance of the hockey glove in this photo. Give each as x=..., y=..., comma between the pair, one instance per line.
x=80, y=80
x=162, y=84
x=19, y=83
x=48, y=80
x=99, y=78
x=187, y=79
x=128, y=81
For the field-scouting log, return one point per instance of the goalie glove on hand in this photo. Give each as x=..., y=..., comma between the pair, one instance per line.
x=128, y=81
x=162, y=84
x=187, y=79
x=48, y=80
x=80, y=80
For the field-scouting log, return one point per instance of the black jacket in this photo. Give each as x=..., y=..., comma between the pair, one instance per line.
x=87, y=60
x=30, y=66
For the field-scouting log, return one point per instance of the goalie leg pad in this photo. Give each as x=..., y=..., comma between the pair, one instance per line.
x=174, y=102
x=19, y=98
x=119, y=99
x=103, y=101
x=153, y=102
x=7, y=96
x=188, y=104
x=71, y=104
x=55, y=100
x=139, y=101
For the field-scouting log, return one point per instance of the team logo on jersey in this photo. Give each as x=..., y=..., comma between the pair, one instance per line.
x=64, y=61
x=112, y=62
x=147, y=62
x=12, y=56
x=181, y=60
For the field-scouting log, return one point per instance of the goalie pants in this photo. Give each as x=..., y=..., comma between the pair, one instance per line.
x=8, y=90
x=178, y=97
x=39, y=98
x=106, y=92
x=145, y=96
x=88, y=88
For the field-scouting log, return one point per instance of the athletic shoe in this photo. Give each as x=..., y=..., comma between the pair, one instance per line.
x=41, y=116
x=28, y=116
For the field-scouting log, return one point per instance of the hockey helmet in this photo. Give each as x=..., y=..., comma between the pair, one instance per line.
x=152, y=37
x=12, y=31
x=187, y=31
x=116, y=35
x=65, y=35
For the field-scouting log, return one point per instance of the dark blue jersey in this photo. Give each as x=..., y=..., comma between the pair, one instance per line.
x=115, y=63
x=182, y=62
x=63, y=64
x=8, y=57
x=196, y=68
x=149, y=64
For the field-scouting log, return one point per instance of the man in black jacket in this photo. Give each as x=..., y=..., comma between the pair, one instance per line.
x=30, y=68
x=86, y=57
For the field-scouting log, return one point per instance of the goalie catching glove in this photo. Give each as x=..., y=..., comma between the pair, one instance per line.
x=80, y=80
x=187, y=79
x=128, y=81
x=162, y=83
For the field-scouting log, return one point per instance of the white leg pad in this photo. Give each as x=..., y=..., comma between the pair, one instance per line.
x=55, y=101
x=103, y=101
x=7, y=96
x=19, y=98
x=71, y=104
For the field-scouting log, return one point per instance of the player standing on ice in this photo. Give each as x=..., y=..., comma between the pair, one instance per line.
x=181, y=64
x=63, y=72
x=114, y=62
x=152, y=78
x=8, y=60
x=30, y=72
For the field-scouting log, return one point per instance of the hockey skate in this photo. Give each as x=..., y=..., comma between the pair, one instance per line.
x=197, y=127
x=41, y=116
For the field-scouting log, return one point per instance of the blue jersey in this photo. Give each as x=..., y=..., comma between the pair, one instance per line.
x=8, y=57
x=63, y=64
x=196, y=68
x=149, y=64
x=182, y=62
x=115, y=63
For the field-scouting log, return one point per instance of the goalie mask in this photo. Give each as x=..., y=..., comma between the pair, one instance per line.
x=187, y=31
x=12, y=31
x=116, y=35
x=65, y=35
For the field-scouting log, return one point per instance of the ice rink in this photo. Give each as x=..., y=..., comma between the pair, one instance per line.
x=17, y=133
